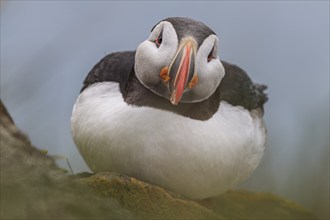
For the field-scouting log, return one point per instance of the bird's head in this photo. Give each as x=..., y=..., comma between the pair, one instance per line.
x=179, y=61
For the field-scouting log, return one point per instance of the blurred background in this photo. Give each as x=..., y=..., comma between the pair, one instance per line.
x=48, y=47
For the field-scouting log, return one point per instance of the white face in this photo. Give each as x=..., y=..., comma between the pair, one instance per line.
x=158, y=54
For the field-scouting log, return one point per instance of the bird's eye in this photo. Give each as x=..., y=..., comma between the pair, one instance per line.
x=210, y=56
x=159, y=40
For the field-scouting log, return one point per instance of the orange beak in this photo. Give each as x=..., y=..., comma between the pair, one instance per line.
x=182, y=69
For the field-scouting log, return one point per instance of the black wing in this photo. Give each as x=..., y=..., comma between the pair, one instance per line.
x=115, y=67
x=237, y=88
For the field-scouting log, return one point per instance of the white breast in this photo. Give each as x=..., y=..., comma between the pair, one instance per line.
x=197, y=159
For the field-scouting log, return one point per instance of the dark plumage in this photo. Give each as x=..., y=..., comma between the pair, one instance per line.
x=235, y=88
x=186, y=27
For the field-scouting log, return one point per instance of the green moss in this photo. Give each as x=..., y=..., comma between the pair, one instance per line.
x=148, y=201
x=43, y=151
x=63, y=170
x=32, y=187
x=145, y=200
x=252, y=205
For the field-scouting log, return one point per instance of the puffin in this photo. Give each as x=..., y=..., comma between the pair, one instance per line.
x=172, y=113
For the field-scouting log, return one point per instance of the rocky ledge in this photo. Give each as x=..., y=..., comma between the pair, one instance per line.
x=33, y=187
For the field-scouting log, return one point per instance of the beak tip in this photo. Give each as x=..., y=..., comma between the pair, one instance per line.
x=174, y=100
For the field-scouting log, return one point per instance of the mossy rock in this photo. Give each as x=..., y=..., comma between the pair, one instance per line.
x=33, y=187
x=242, y=204
x=146, y=200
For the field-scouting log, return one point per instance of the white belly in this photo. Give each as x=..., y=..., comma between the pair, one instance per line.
x=197, y=159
